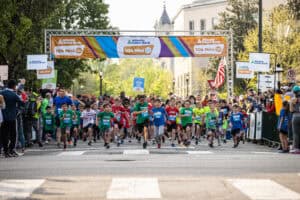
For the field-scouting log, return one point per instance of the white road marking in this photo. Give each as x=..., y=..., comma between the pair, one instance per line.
x=18, y=189
x=264, y=189
x=199, y=152
x=136, y=152
x=134, y=188
x=71, y=153
x=264, y=152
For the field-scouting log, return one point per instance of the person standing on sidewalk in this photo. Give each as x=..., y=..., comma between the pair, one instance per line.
x=8, y=128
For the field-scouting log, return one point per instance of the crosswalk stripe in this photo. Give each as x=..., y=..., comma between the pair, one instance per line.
x=264, y=189
x=136, y=152
x=199, y=152
x=134, y=188
x=264, y=152
x=18, y=189
x=71, y=153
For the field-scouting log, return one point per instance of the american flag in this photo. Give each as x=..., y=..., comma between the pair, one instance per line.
x=220, y=77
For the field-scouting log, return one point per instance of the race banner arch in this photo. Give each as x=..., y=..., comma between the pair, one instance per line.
x=93, y=44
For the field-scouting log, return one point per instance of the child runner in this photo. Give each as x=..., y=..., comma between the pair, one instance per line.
x=65, y=117
x=172, y=112
x=76, y=124
x=104, y=123
x=118, y=111
x=88, y=116
x=211, y=122
x=186, y=114
x=159, y=115
x=198, y=113
x=283, y=126
x=236, y=124
x=142, y=121
x=48, y=123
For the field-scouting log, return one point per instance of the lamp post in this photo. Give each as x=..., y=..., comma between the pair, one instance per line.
x=174, y=81
x=187, y=79
x=101, y=80
x=278, y=71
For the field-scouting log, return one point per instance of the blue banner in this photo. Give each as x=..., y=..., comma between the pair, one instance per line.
x=139, y=84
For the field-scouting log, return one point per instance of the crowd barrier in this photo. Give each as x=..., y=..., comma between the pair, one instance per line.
x=263, y=127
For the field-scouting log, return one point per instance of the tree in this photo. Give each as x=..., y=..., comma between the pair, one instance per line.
x=22, y=25
x=280, y=37
x=119, y=77
x=294, y=7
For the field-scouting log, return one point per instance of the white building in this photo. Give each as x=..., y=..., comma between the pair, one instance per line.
x=200, y=15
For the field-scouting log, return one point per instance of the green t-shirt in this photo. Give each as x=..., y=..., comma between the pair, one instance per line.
x=198, y=112
x=186, y=119
x=105, y=119
x=76, y=121
x=211, y=120
x=141, y=118
x=66, y=118
x=48, y=121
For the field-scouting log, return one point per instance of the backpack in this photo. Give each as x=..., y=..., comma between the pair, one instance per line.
x=30, y=108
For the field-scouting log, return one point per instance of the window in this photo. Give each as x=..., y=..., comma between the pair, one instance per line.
x=214, y=22
x=202, y=25
x=191, y=27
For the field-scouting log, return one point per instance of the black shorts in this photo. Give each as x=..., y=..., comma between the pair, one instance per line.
x=85, y=129
x=140, y=127
x=284, y=132
x=171, y=127
x=234, y=132
x=57, y=121
x=187, y=125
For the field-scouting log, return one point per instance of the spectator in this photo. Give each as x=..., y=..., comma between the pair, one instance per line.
x=295, y=110
x=8, y=128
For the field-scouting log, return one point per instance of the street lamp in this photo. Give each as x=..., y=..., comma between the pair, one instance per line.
x=278, y=71
x=101, y=79
x=174, y=81
x=187, y=79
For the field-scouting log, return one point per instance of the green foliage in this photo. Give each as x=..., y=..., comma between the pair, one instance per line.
x=280, y=37
x=119, y=77
x=294, y=7
x=22, y=25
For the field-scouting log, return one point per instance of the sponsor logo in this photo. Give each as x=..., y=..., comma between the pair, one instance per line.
x=75, y=50
x=214, y=49
x=138, y=50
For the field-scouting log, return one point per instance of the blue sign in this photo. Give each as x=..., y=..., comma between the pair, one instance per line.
x=138, y=84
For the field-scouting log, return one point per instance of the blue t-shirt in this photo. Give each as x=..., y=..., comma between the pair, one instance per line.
x=236, y=119
x=286, y=118
x=58, y=102
x=159, y=116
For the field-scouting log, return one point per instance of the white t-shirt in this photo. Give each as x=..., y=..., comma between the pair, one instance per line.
x=88, y=117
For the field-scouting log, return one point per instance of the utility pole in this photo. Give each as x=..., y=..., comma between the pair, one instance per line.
x=260, y=13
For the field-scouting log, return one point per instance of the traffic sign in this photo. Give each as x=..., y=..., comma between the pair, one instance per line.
x=291, y=75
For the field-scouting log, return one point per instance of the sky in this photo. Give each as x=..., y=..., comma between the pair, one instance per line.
x=140, y=14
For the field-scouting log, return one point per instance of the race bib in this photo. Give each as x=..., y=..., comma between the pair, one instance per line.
x=49, y=121
x=198, y=118
x=212, y=122
x=145, y=114
x=157, y=115
x=172, y=118
x=106, y=122
x=59, y=110
x=236, y=118
x=66, y=120
x=75, y=122
x=188, y=112
x=118, y=117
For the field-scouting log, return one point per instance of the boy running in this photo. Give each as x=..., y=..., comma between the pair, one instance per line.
x=104, y=123
x=236, y=124
x=75, y=124
x=159, y=115
x=48, y=123
x=186, y=114
x=65, y=117
x=211, y=122
x=142, y=121
x=198, y=113
x=88, y=116
x=172, y=112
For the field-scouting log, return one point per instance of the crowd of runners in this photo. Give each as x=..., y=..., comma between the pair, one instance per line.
x=61, y=118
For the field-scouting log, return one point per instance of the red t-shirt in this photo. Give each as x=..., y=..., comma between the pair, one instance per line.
x=119, y=113
x=172, y=112
x=126, y=117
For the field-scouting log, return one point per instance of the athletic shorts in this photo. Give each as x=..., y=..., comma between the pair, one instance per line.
x=65, y=130
x=284, y=132
x=57, y=121
x=187, y=125
x=171, y=127
x=85, y=129
x=211, y=130
x=234, y=132
x=140, y=127
x=120, y=126
x=158, y=130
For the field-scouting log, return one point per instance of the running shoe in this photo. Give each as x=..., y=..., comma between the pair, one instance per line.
x=173, y=145
x=144, y=145
x=158, y=146
x=90, y=143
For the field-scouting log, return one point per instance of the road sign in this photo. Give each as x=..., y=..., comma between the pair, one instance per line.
x=266, y=82
x=291, y=75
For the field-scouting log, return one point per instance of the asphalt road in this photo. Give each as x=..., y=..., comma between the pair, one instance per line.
x=197, y=172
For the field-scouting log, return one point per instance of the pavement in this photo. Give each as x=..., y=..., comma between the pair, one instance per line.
x=128, y=172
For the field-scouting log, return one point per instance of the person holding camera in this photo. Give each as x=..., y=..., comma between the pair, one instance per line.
x=295, y=110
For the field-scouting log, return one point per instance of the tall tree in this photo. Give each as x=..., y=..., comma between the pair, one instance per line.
x=294, y=6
